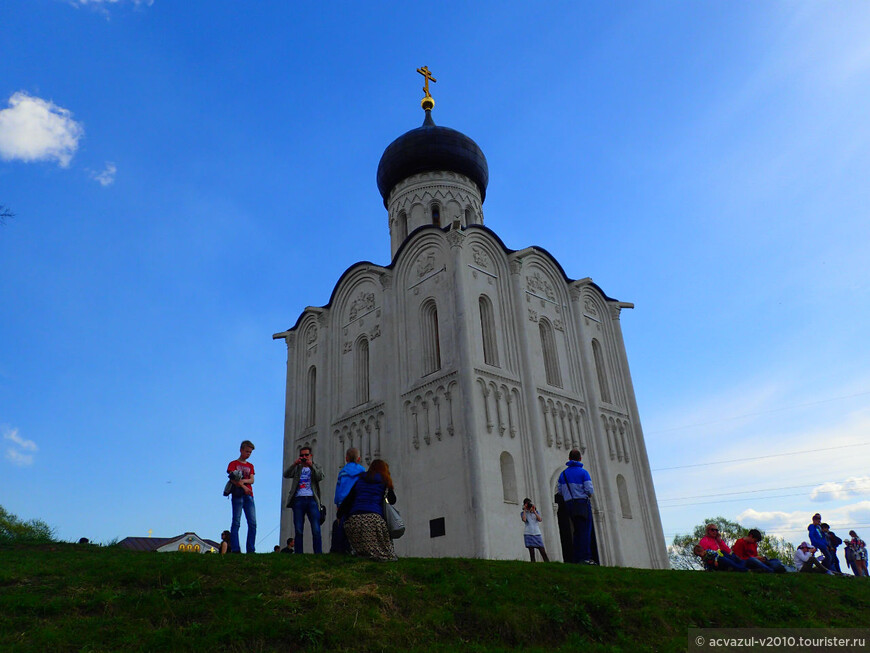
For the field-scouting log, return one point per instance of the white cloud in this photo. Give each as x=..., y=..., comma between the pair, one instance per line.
x=18, y=458
x=107, y=176
x=793, y=525
x=33, y=129
x=27, y=445
x=16, y=453
x=854, y=486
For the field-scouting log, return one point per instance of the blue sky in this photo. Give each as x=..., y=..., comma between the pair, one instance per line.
x=187, y=177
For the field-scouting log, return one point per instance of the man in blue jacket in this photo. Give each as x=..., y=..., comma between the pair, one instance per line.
x=575, y=486
x=347, y=478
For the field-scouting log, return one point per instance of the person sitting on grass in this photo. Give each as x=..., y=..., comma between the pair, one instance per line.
x=727, y=561
x=746, y=548
x=708, y=557
x=805, y=560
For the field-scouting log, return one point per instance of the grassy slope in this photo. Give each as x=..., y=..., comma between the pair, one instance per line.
x=70, y=598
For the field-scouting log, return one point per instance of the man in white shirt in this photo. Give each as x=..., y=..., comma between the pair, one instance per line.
x=304, y=497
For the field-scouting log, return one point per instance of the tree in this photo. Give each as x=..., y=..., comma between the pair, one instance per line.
x=5, y=212
x=13, y=529
x=770, y=546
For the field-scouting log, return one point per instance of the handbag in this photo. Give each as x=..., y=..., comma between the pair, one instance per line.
x=395, y=523
x=322, y=514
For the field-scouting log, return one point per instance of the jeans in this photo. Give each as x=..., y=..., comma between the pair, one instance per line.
x=303, y=506
x=582, y=536
x=244, y=503
x=772, y=565
x=729, y=562
x=825, y=557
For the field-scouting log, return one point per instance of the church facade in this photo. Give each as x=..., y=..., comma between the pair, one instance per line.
x=473, y=370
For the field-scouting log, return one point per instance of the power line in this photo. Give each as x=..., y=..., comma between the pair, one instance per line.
x=760, y=412
x=773, y=455
x=851, y=527
x=770, y=489
x=260, y=541
x=707, y=503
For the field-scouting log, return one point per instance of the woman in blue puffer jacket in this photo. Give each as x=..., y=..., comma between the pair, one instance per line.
x=365, y=527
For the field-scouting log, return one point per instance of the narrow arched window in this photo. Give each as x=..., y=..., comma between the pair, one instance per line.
x=601, y=371
x=622, y=489
x=361, y=362
x=430, y=341
x=311, y=398
x=508, y=478
x=551, y=359
x=487, y=331
x=402, y=227
x=469, y=219
x=436, y=215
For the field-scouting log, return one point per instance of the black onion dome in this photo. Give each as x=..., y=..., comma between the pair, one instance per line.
x=428, y=148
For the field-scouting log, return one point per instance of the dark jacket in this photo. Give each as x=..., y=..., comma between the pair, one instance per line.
x=367, y=496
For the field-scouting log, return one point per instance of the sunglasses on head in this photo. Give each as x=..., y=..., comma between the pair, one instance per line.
x=713, y=530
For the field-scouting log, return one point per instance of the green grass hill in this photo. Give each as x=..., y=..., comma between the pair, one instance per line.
x=66, y=597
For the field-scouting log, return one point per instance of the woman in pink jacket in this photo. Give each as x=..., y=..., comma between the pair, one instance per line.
x=725, y=561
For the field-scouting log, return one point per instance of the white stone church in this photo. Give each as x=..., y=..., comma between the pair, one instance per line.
x=473, y=370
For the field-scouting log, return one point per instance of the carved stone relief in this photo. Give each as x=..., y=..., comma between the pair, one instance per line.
x=539, y=285
x=364, y=302
x=425, y=264
x=480, y=257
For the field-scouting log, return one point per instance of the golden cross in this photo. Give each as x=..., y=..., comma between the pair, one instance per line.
x=425, y=72
x=149, y=532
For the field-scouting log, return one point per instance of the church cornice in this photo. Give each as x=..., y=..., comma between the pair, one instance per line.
x=515, y=260
x=422, y=388
x=497, y=377
x=563, y=397
x=356, y=413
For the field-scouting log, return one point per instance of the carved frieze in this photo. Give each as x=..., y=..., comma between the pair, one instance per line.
x=425, y=264
x=480, y=257
x=540, y=286
x=589, y=308
x=364, y=302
